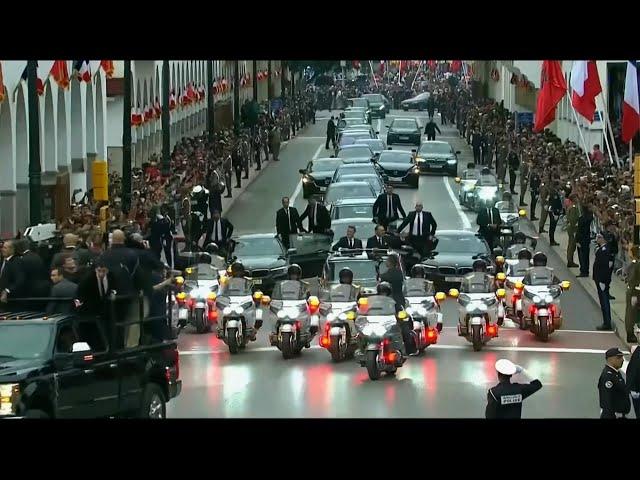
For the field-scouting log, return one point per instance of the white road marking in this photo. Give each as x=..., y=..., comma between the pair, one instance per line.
x=379, y=125
x=436, y=347
x=563, y=330
x=296, y=192
x=454, y=199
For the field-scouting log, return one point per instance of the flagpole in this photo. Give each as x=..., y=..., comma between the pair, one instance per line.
x=584, y=143
x=373, y=74
x=609, y=129
x=416, y=75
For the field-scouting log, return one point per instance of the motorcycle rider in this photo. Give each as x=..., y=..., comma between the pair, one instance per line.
x=199, y=199
x=519, y=243
x=384, y=290
x=507, y=201
x=346, y=278
x=417, y=283
x=478, y=281
x=540, y=271
x=239, y=281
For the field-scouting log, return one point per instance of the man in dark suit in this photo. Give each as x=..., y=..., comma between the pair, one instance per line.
x=378, y=240
x=70, y=245
x=319, y=219
x=430, y=130
x=394, y=277
x=219, y=230
x=95, y=288
x=122, y=262
x=62, y=288
x=349, y=241
x=602, y=277
x=583, y=238
x=35, y=272
x=331, y=133
x=422, y=231
x=287, y=221
x=12, y=279
x=489, y=222
x=387, y=206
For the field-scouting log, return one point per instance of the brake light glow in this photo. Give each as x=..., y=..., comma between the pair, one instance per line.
x=190, y=302
x=532, y=310
x=492, y=330
x=552, y=310
x=431, y=334
x=325, y=341
x=213, y=315
x=391, y=357
x=298, y=324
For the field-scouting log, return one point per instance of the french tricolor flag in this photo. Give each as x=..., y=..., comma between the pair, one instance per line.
x=585, y=84
x=631, y=103
x=83, y=70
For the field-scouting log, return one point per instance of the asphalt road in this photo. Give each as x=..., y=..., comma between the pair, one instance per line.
x=449, y=380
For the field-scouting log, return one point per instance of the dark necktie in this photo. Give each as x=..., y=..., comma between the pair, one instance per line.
x=101, y=287
x=350, y=243
x=215, y=229
x=289, y=218
x=490, y=216
x=419, y=226
x=380, y=242
x=389, y=206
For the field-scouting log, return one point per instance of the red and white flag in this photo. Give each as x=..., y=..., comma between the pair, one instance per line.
x=158, y=108
x=83, y=70
x=631, y=103
x=136, y=117
x=172, y=99
x=585, y=84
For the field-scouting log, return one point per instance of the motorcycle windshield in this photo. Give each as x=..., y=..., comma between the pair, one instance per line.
x=342, y=293
x=418, y=287
x=289, y=290
x=381, y=306
x=236, y=287
x=309, y=244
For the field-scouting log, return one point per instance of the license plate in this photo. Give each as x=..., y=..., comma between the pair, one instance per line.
x=403, y=137
x=453, y=279
x=436, y=166
x=183, y=314
x=258, y=281
x=395, y=179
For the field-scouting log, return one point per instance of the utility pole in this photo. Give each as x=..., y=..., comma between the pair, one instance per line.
x=210, y=101
x=166, y=120
x=254, y=81
x=236, y=97
x=126, y=139
x=35, y=175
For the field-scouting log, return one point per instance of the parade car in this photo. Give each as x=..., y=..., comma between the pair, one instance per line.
x=366, y=266
x=378, y=104
x=453, y=257
x=356, y=154
x=437, y=156
x=375, y=144
x=404, y=130
x=467, y=182
x=400, y=168
x=354, y=169
x=264, y=258
x=372, y=178
x=419, y=102
x=317, y=176
x=361, y=127
x=352, y=208
x=352, y=121
x=349, y=190
x=349, y=137
x=365, y=228
x=362, y=104
x=358, y=113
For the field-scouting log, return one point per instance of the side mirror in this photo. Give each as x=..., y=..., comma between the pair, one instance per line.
x=292, y=251
x=303, y=171
x=457, y=152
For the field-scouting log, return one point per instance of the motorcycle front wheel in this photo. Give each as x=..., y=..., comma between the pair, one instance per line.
x=521, y=320
x=543, y=329
x=336, y=350
x=232, y=340
x=476, y=338
x=372, y=365
x=199, y=321
x=287, y=347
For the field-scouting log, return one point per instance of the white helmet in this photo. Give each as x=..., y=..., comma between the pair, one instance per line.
x=505, y=367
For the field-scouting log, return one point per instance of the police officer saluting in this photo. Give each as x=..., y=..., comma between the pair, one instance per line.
x=614, y=394
x=505, y=399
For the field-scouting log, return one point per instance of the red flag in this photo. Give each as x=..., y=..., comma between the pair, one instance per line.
x=107, y=66
x=552, y=88
x=60, y=73
x=585, y=84
x=456, y=65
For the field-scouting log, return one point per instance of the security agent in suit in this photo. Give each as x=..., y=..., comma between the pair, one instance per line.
x=349, y=241
x=387, y=206
x=505, y=399
x=61, y=289
x=489, y=222
x=430, y=130
x=287, y=222
x=422, y=231
x=94, y=290
x=612, y=389
x=219, y=231
x=602, y=278
x=379, y=240
x=319, y=219
x=395, y=278
x=12, y=278
x=35, y=272
x=633, y=376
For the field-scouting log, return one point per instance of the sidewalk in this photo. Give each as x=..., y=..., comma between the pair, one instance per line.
x=617, y=288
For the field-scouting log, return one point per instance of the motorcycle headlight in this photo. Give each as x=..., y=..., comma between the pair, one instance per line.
x=9, y=393
x=451, y=161
x=331, y=317
x=342, y=316
x=227, y=311
x=281, y=314
x=239, y=310
x=537, y=299
x=372, y=329
x=468, y=187
x=548, y=298
x=486, y=193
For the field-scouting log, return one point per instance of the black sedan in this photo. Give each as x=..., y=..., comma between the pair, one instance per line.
x=404, y=130
x=377, y=105
x=399, y=167
x=375, y=144
x=419, y=102
x=317, y=176
x=437, y=156
x=454, y=255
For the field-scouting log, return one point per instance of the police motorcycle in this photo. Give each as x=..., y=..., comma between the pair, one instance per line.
x=200, y=281
x=338, y=305
x=517, y=261
x=242, y=309
x=541, y=312
x=486, y=192
x=478, y=306
x=381, y=343
x=510, y=215
x=467, y=183
x=297, y=314
x=423, y=304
